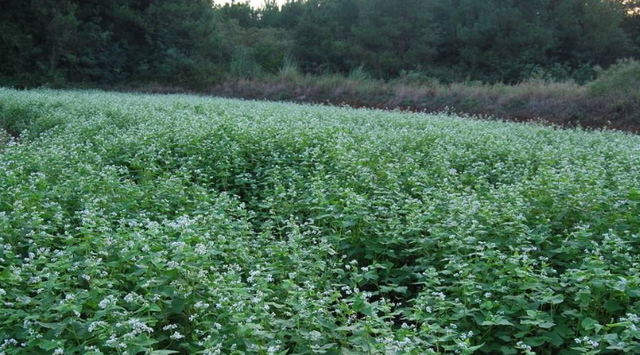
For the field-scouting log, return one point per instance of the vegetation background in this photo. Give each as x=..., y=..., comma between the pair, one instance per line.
x=151, y=224
x=417, y=54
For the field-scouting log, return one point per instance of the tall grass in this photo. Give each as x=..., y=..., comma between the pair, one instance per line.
x=358, y=73
x=289, y=70
x=242, y=66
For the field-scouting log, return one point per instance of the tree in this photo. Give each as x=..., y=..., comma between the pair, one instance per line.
x=498, y=38
x=604, y=40
x=322, y=35
x=194, y=43
x=391, y=36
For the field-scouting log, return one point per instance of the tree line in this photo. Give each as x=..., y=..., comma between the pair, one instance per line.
x=196, y=43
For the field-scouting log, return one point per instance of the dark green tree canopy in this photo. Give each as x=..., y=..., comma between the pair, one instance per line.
x=197, y=43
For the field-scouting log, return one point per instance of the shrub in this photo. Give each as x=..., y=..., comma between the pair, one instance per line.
x=620, y=82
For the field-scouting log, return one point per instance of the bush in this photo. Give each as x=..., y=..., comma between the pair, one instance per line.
x=620, y=82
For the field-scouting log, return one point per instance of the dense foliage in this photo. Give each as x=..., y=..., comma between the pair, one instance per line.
x=195, y=44
x=135, y=224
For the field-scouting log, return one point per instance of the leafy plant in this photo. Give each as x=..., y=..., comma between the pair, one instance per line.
x=138, y=224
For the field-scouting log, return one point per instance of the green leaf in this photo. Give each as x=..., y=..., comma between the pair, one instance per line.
x=556, y=299
x=177, y=305
x=613, y=306
x=349, y=328
x=47, y=344
x=500, y=321
x=633, y=293
x=554, y=338
x=349, y=223
x=534, y=341
x=589, y=323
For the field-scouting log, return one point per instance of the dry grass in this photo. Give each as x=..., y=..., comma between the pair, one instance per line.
x=566, y=104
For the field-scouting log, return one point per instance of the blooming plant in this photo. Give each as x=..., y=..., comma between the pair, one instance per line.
x=137, y=224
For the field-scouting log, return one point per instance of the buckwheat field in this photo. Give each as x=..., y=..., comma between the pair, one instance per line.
x=138, y=224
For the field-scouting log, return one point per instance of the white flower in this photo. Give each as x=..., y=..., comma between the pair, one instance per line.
x=176, y=336
x=200, y=305
x=201, y=249
x=94, y=325
x=139, y=327
x=107, y=302
x=170, y=327
x=523, y=346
